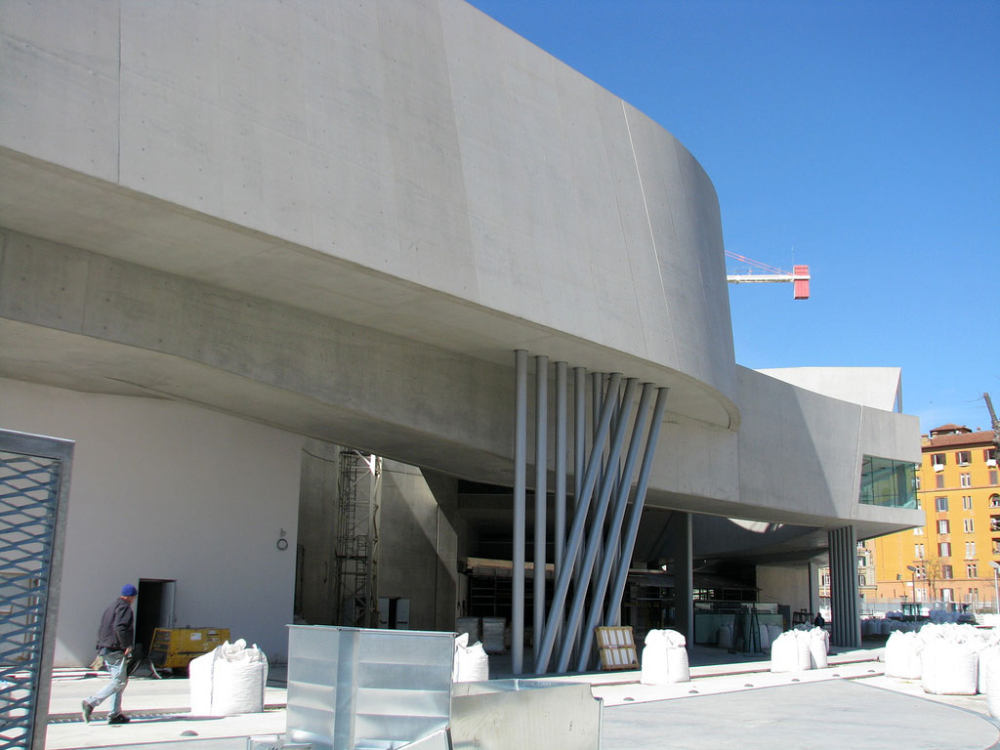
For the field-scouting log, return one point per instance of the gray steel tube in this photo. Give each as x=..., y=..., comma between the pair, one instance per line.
x=520, y=464
x=597, y=523
x=575, y=536
x=618, y=588
x=624, y=484
x=560, y=490
x=541, y=476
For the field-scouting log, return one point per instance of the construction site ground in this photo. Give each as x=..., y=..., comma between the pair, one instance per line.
x=732, y=700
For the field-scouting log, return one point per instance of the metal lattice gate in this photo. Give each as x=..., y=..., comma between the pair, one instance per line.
x=34, y=483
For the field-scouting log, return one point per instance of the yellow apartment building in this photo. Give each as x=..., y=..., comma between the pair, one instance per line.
x=949, y=558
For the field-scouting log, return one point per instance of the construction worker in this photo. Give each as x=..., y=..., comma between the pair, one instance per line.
x=115, y=639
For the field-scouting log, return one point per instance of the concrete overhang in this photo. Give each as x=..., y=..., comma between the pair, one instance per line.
x=47, y=201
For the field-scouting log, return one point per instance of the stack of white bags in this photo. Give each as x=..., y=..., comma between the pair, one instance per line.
x=948, y=659
x=472, y=663
x=664, y=658
x=800, y=649
x=229, y=680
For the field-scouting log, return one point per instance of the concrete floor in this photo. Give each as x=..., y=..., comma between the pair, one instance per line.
x=739, y=703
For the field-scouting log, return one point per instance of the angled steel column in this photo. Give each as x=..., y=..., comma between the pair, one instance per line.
x=520, y=464
x=579, y=460
x=635, y=515
x=602, y=394
x=573, y=542
x=560, y=489
x=623, y=486
x=597, y=523
x=541, y=472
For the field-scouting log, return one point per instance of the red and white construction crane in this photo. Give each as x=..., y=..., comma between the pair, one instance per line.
x=765, y=274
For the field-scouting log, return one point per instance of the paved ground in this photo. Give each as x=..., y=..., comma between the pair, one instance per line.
x=736, y=703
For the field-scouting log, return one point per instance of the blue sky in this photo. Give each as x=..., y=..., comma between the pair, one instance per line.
x=860, y=138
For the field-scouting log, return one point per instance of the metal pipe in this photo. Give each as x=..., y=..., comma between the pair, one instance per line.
x=635, y=515
x=520, y=463
x=597, y=524
x=573, y=542
x=541, y=476
x=623, y=485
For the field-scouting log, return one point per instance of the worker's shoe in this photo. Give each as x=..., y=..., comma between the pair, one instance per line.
x=87, y=711
x=118, y=719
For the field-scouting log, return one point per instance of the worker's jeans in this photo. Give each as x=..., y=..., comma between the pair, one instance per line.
x=117, y=666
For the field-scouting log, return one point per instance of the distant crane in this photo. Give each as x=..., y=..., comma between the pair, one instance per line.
x=770, y=275
x=993, y=421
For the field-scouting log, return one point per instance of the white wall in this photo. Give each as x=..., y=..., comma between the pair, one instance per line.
x=165, y=490
x=784, y=584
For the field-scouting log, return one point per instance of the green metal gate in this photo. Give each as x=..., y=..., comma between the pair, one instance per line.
x=34, y=485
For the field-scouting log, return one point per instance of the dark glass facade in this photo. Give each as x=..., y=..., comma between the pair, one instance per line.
x=889, y=483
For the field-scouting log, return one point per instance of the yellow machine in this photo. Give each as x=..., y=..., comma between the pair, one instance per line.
x=174, y=648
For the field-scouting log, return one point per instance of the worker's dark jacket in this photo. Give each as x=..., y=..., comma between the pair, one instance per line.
x=117, y=631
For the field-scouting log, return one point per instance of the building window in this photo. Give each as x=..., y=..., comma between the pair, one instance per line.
x=941, y=504
x=887, y=482
x=943, y=526
x=995, y=501
x=990, y=456
x=861, y=580
x=970, y=570
x=966, y=502
x=947, y=595
x=944, y=549
x=939, y=481
x=938, y=461
x=967, y=525
x=994, y=523
x=966, y=479
x=919, y=573
x=963, y=458
x=947, y=572
x=993, y=476
x=918, y=551
x=970, y=549
x=996, y=546
x=919, y=531
x=826, y=579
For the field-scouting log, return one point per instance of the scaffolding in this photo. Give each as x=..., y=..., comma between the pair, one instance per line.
x=356, y=547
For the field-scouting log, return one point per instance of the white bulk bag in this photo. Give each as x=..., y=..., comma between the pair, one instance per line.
x=674, y=638
x=678, y=669
x=654, y=669
x=989, y=662
x=817, y=648
x=200, y=673
x=948, y=669
x=787, y=652
x=472, y=663
x=726, y=636
x=229, y=680
x=902, y=656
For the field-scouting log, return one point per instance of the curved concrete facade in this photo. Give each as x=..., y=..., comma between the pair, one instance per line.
x=341, y=219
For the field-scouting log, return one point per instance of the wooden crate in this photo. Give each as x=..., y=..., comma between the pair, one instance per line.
x=617, y=648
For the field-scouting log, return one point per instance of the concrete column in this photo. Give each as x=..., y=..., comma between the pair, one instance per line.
x=845, y=627
x=683, y=570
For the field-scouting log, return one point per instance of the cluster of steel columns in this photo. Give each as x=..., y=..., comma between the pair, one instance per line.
x=599, y=564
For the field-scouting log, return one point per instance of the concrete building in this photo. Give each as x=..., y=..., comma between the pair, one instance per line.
x=238, y=235
x=952, y=554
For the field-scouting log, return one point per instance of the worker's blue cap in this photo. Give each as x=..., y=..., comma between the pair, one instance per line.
x=129, y=590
